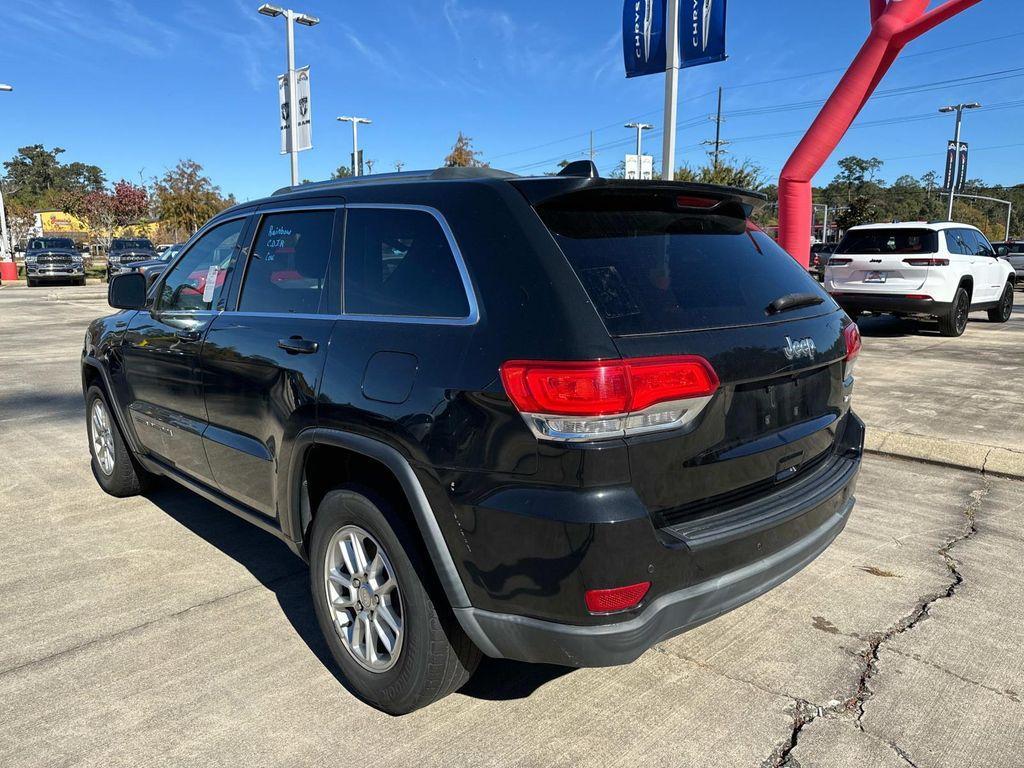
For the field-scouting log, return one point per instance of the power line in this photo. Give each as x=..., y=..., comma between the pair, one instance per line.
x=749, y=85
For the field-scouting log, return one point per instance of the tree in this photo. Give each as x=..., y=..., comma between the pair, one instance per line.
x=463, y=155
x=342, y=172
x=745, y=175
x=35, y=176
x=106, y=213
x=184, y=198
x=20, y=222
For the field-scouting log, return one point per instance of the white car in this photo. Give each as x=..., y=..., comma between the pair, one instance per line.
x=940, y=271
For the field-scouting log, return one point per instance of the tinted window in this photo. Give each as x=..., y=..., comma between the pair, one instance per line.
x=124, y=245
x=288, y=265
x=972, y=242
x=955, y=242
x=892, y=241
x=651, y=271
x=41, y=243
x=399, y=262
x=197, y=281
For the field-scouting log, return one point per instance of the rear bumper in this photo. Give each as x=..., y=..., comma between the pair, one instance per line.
x=896, y=304
x=808, y=519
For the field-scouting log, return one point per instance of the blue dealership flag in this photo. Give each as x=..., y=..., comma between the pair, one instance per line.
x=702, y=32
x=643, y=37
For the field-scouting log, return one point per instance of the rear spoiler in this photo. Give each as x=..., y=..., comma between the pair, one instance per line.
x=539, y=191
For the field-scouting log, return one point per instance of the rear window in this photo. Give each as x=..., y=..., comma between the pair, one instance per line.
x=894, y=241
x=651, y=268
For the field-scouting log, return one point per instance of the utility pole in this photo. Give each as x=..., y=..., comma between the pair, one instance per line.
x=640, y=128
x=369, y=164
x=718, y=143
x=399, y=165
x=291, y=17
x=959, y=109
x=668, y=150
x=355, y=139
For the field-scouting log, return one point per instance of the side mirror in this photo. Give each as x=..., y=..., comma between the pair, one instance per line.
x=127, y=291
x=1002, y=251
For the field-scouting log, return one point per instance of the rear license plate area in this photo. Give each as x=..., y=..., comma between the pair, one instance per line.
x=875, y=277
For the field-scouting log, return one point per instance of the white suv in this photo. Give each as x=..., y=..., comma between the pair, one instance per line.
x=942, y=271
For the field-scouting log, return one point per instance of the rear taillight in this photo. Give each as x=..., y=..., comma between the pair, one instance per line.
x=610, y=398
x=618, y=599
x=853, y=344
x=927, y=262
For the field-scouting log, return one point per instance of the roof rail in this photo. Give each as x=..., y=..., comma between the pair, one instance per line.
x=439, y=174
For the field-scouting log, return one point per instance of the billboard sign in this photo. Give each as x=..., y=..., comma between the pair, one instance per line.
x=702, y=32
x=643, y=37
x=304, y=116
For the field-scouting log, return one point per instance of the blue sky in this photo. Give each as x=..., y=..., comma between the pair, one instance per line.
x=134, y=85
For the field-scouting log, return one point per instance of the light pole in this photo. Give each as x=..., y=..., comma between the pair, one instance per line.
x=959, y=109
x=3, y=210
x=355, y=138
x=291, y=17
x=640, y=128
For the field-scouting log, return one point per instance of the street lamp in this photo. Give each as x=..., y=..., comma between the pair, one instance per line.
x=355, y=138
x=3, y=212
x=640, y=128
x=291, y=17
x=959, y=109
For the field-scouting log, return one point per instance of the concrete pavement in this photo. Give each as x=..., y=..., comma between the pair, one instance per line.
x=164, y=631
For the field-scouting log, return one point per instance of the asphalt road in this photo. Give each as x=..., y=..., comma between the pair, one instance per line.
x=164, y=631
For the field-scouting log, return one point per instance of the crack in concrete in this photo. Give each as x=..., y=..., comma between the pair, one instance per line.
x=806, y=713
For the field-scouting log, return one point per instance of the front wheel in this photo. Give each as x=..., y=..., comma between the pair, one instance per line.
x=30, y=283
x=112, y=463
x=1002, y=312
x=954, y=322
x=385, y=618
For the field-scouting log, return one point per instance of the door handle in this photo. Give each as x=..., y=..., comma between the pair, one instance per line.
x=296, y=345
x=189, y=335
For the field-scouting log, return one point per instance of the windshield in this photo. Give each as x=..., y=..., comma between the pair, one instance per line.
x=658, y=271
x=42, y=243
x=893, y=241
x=125, y=245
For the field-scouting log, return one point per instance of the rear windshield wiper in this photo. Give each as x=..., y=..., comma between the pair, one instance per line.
x=793, y=301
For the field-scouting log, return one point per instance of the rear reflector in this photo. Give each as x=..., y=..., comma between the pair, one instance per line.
x=608, y=398
x=919, y=297
x=618, y=599
x=927, y=262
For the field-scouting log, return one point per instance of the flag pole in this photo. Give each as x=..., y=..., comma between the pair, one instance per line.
x=668, y=152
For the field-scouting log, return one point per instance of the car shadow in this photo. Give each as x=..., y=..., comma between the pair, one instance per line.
x=891, y=327
x=278, y=569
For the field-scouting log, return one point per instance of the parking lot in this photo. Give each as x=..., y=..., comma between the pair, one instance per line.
x=162, y=630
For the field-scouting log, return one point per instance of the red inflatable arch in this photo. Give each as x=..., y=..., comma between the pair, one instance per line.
x=894, y=23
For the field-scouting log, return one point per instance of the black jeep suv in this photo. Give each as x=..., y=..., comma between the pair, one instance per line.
x=533, y=418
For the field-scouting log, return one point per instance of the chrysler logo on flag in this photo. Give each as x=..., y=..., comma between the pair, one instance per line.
x=643, y=24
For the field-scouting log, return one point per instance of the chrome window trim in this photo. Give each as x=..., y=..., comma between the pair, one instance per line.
x=472, y=318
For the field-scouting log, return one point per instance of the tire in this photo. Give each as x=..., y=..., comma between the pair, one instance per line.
x=113, y=466
x=432, y=657
x=1002, y=313
x=30, y=283
x=954, y=322
x=80, y=281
